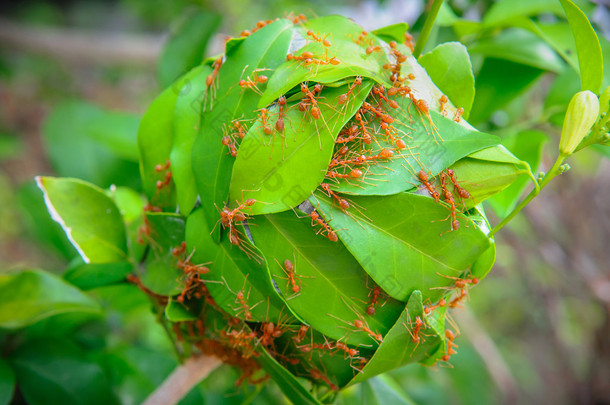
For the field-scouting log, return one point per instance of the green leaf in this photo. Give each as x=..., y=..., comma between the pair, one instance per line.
x=587, y=46
x=89, y=217
x=498, y=83
x=7, y=382
x=288, y=383
x=186, y=124
x=395, y=32
x=352, y=56
x=227, y=101
x=176, y=312
x=32, y=295
x=519, y=46
x=155, y=142
x=383, y=390
x=51, y=371
x=231, y=271
x=38, y=223
x=327, y=273
x=484, y=263
x=504, y=10
x=162, y=275
x=559, y=37
x=398, y=347
x=186, y=47
x=425, y=152
x=91, y=275
x=527, y=146
x=93, y=144
x=281, y=171
x=418, y=241
x=131, y=206
x=484, y=178
x=450, y=69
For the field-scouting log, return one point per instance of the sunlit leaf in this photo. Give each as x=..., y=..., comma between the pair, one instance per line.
x=450, y=69
x=282, y=169
x=186, y=125
x=89, y=217
x=227, y=101
x=325, y=272
x=587, y=46
x=418, y=241
x=399, y=347
x=232, y=271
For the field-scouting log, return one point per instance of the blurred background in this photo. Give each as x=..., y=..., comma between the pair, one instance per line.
x=76, y=75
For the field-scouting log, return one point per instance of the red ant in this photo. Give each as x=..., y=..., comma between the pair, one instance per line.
x=317, y=375
x=440, y=304
x=316, y=219
x=253, y=83
x=301, y=334
x=349, y=352
x=264, y=120
x=212, y=77
x=418, y=326
x=375, y=292
x=241, y=130
x=409, y=41
x=462, y=192
x=354, y=174
x=270, y=332
x=366, y=137
x=422, y=107
x=310, y=100
x=351, y=132
x=455, y=224
x=177, y=251
x=342, y=202
x=168, y=175
x=227, y=141
x=378, y=112
x=344, y=97
x=239, y=298
x=362, y=325
x=297, y=19
x=373, y=48
x=450, y=336
x=291, y=274
x=279, y=124
x=399, y=143
x=317, y=38
x=423, y=178
x=443, y=100
x=458, y=114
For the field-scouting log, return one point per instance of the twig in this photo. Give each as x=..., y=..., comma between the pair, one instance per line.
x=182, y=380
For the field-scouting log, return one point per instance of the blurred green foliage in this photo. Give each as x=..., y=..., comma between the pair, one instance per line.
x=543, y=316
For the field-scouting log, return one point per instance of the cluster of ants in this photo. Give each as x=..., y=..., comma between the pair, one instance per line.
x=237, y=341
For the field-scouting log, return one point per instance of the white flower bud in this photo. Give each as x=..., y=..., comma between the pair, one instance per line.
x=582, y=113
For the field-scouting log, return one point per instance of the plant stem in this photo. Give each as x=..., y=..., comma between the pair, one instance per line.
x=425, y=32
x=182, y=380
x=555, y=170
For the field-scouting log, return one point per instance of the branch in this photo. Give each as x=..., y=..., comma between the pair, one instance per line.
x=182, y=380
x=81, y=46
